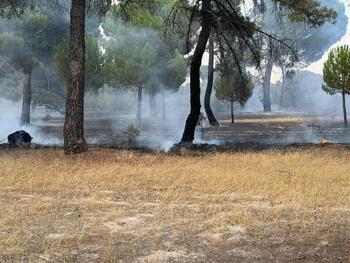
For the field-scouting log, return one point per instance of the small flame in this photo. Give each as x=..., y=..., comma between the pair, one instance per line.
x=325, y=141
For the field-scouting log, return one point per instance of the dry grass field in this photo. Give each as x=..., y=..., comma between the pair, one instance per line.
x=127, y=206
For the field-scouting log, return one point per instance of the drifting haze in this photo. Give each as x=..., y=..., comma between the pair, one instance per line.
x=111, y=110
x=317, y=67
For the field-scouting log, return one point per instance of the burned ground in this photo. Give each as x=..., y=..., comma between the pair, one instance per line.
x=259, y=128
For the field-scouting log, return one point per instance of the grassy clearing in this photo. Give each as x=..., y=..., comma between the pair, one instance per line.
x=125, y=206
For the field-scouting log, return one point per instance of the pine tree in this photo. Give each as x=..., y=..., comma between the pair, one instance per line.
x=336, y=75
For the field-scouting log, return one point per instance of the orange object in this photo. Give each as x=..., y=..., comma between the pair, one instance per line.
x=325, y=141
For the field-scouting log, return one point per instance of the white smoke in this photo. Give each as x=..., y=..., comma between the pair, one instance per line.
x=10, y=122
x=9, y=117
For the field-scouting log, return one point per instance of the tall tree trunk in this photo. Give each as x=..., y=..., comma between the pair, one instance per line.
x=192, y=119
x=211, y=118
x=139, y=106
x=267, y=84
x=163, y=104
x=232, y=113
x=283, y=87
x=74, y=141
x=344, y=111
x=26, y=98
x=152, y=105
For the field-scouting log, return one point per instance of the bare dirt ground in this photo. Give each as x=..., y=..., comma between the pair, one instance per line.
x=131, y=206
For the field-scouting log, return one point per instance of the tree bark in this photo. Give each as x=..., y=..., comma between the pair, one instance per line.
x=191, y=122
x=232, y=113
x=139, y=106
x=283, y=87
x=344, y=111
x=211, y=118
x=152, y=105
x=267, y=84
x=74, y=141
x=163, y=104
x=26, y=98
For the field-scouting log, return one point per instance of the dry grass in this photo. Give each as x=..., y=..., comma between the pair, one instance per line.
x=269, y=120
x=124, y=206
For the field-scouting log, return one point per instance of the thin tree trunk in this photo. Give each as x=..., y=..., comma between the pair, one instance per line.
x=26, y=98
x=344, y=111
x=139, y=106
x=152, y=105
x=232, y=113
x=163, y=104
x=74, y=141
x=211, y=118
x=267, y=84
x=283, y=87
x=191, y=122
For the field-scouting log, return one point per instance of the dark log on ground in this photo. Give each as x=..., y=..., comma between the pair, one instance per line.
x=19, y=138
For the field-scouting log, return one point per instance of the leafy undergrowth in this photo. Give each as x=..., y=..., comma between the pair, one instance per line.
x=127, y=206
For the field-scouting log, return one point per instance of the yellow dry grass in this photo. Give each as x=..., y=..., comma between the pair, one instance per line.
x=270, y=120
x=126, y=206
